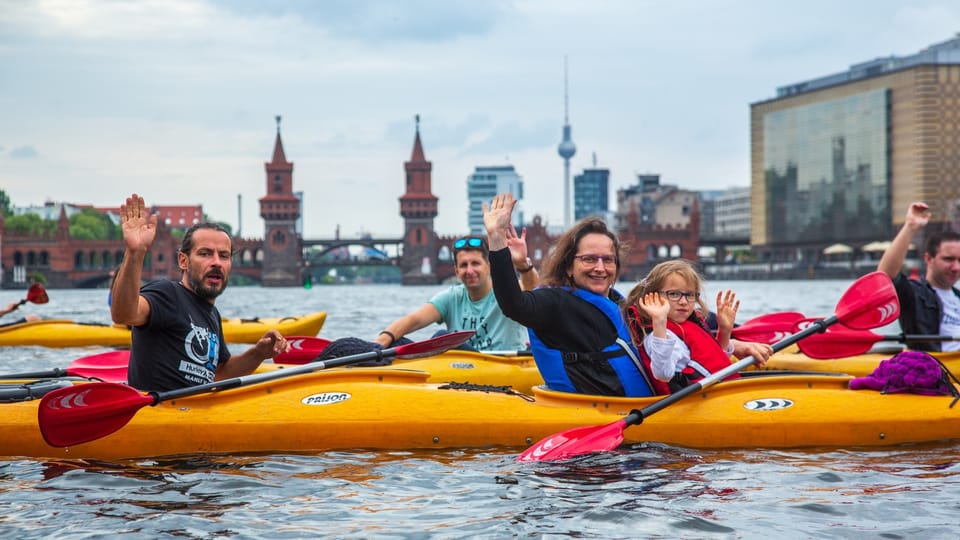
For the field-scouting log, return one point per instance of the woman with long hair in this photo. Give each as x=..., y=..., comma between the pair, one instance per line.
x=579, y=339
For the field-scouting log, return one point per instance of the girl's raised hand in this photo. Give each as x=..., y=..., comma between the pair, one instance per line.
x=727, y=307
x=655, y=306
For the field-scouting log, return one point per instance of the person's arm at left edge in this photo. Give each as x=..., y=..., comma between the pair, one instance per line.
x=270, y=345
x=9, y=309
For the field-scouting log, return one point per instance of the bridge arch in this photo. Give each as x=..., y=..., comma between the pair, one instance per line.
x=663, y=251
x=339, y=250
x=445, y=253
x=250, y=256
x=94, y=281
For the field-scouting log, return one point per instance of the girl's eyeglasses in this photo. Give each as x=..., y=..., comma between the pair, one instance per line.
x=677, y=295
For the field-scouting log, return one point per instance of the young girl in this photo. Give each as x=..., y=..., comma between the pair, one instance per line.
x=665, y=315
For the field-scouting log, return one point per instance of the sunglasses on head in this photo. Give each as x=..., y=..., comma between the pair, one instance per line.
x=473, y=242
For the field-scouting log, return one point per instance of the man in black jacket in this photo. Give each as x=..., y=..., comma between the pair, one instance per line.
x=930, y=305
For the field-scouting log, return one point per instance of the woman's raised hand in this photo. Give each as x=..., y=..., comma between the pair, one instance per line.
x=496, y=219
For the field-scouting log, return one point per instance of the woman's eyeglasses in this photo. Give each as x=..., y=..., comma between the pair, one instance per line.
x=591, y=260
x=677, y=295
x=473, y=242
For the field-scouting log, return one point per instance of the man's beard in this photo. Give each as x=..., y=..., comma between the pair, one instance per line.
x=207, y=293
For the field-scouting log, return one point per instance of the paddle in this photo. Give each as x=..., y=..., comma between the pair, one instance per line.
x=36, y=294
x=840, y=342
x=109, y=366
x=869, y=303
x=86, y=412
x=769, y=328
x=303, y=349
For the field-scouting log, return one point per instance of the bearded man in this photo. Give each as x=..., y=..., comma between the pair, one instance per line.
x=177, y=330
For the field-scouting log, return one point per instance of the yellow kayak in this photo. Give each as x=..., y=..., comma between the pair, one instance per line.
x=390, y=408
x=516, y=371
x=519, y=371
x=240, y=330
x=858, y=366
x=68, y=333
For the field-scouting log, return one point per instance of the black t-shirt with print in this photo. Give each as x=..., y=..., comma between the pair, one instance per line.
x=182, y=343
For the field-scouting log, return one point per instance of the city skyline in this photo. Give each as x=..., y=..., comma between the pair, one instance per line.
x=176, y=100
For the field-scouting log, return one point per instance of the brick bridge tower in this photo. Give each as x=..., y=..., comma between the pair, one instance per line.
x=280, y=208
x=418, y=207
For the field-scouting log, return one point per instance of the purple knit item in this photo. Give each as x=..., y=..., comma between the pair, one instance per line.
x=915, y=372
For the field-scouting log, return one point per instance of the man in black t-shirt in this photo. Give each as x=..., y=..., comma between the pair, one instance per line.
x=177, y=333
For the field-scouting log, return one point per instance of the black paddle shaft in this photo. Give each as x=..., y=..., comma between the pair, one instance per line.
x=236, y=382
x=50, y=374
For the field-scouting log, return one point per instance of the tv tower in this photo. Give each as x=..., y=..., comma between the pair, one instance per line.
x=566, y=149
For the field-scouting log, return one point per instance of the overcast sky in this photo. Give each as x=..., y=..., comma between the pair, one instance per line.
x=175, y=99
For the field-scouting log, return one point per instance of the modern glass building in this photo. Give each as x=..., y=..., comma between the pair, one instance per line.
x=591, y=194
x=732, y=213
x=483, y=184
x=838, y=159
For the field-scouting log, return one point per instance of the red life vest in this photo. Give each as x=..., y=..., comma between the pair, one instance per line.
x=706, y=356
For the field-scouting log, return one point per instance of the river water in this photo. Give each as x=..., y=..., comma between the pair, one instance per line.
x=646, y=491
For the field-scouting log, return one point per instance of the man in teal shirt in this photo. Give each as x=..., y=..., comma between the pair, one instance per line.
x=471, y=305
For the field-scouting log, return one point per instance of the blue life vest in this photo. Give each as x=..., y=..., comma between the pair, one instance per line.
x=620, y=355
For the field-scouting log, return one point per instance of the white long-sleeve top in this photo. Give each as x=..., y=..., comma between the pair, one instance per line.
x=669, y=355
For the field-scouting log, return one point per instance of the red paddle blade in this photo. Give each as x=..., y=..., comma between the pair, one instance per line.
x=432, y=346
x=105, y=374
x=110, y=366
x=871, y=302
x=779, y=317
x=85, y=412
x=838, y=342
x=37, y=294
x=769, y=328
x=303, y=349
x=104, y=360
x=576, y=441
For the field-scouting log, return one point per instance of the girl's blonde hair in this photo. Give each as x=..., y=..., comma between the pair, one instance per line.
x=637, y=320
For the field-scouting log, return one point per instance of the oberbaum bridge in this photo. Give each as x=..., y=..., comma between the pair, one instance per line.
x=279, y=259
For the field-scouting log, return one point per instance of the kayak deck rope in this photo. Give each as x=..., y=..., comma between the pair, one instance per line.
x=11, y=393
x=950, y=379
x=488, y=388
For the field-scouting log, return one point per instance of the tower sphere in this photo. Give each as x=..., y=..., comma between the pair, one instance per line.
x=566, y=149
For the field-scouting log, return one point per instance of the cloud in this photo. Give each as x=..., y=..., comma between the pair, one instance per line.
x=438, y=132
x=24, y=152
x=383, y=21
x=513, y=137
